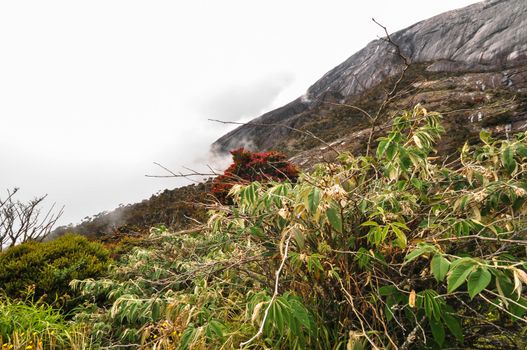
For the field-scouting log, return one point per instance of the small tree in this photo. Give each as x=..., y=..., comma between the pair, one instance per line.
x=21, y=222
x=253, y=166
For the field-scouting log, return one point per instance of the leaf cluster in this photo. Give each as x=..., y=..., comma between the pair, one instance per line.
x=395, y=250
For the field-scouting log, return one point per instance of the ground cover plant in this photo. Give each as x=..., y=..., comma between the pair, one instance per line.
x=25, y=324
x=401, y=249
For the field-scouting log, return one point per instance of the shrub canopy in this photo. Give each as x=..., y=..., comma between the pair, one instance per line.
x=45, y=269
x=253, y=166
x=396, y=250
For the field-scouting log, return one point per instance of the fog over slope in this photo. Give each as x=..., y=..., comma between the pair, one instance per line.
x=91, y=94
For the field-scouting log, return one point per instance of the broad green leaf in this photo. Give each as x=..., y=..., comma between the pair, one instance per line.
x=257, y=231
x=334, y=219
x=421, y=249
x=313, y=199
x=431, y=304
x=388, y=312
x=438, y=331
x=404, y=159
x=156, y=310
x=507, y=158
x=369, y=223
x=458, y=275
x=521, y=150
x=384, y=234
x=401, y=237
x=439, y=266
x=387, y=290
x=381, y=148
x=477, y=281
x=400, y=225
x=519, y=308
x=299, y=237
x=390, y=151
x=484, y=136
x=277, y=318
x=453, y=325
x=216, y=327
x=363, y=257
x=187, y=336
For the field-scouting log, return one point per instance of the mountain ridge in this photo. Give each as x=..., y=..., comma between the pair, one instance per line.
x=471, y=95
x=485, y=36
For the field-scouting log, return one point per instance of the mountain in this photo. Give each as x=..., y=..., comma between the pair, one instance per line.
x=469, y=64
x=488, y=37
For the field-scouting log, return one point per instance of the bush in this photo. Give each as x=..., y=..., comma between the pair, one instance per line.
x=248, y=167
x=47, y=268
x=396, y=250
x=393, y=250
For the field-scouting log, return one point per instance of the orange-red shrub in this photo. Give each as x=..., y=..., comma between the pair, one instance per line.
x=252, y=166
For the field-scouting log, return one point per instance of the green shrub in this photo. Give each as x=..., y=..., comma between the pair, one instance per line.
x=46, y=268
x=394, y=250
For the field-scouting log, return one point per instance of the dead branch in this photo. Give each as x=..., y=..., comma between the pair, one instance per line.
x=389, y=94
x=21, y=222
x=189, y=175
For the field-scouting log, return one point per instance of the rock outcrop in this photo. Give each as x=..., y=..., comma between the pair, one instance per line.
x=483, y=37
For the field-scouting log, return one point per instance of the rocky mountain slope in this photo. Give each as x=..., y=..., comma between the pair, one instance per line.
x=490, y=36
x=469, y=64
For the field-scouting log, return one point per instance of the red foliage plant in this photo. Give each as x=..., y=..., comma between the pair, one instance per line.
x=250, y=166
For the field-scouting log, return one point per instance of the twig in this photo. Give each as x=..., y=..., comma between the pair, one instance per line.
x=305, y=132
x=391, y=94
x=349, y=297
x=275, y=294
x=410, y=339
x=173, y=174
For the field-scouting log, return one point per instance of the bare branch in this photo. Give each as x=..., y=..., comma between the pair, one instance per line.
x=188, y=175
x=21, y=222
x=275, y=294
x=304, y=132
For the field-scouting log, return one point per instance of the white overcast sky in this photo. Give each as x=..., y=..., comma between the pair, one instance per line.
x=93, y=92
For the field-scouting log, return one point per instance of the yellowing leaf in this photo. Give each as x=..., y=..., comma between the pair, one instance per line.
x=517, y=283
x=411, y=298
x=256, y=311
x=417, y=141
x=522, y=275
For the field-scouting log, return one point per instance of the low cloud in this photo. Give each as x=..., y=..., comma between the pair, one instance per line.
x=241, y=100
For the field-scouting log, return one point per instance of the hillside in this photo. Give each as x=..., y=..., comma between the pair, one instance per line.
x=176, y=208
x=469, y=64
x=405, y=226
x=490, y=36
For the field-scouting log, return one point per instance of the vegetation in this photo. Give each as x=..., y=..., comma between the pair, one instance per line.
x=248, y=167
x=46, y=268
x=390, y=251
x=26, y=325
x=177, y=209
x=396, y=250
x=22, y=222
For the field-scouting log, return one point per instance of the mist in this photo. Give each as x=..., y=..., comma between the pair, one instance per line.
x=93, y=93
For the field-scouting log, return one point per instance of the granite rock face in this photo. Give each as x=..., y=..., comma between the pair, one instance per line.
x=486, y=36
